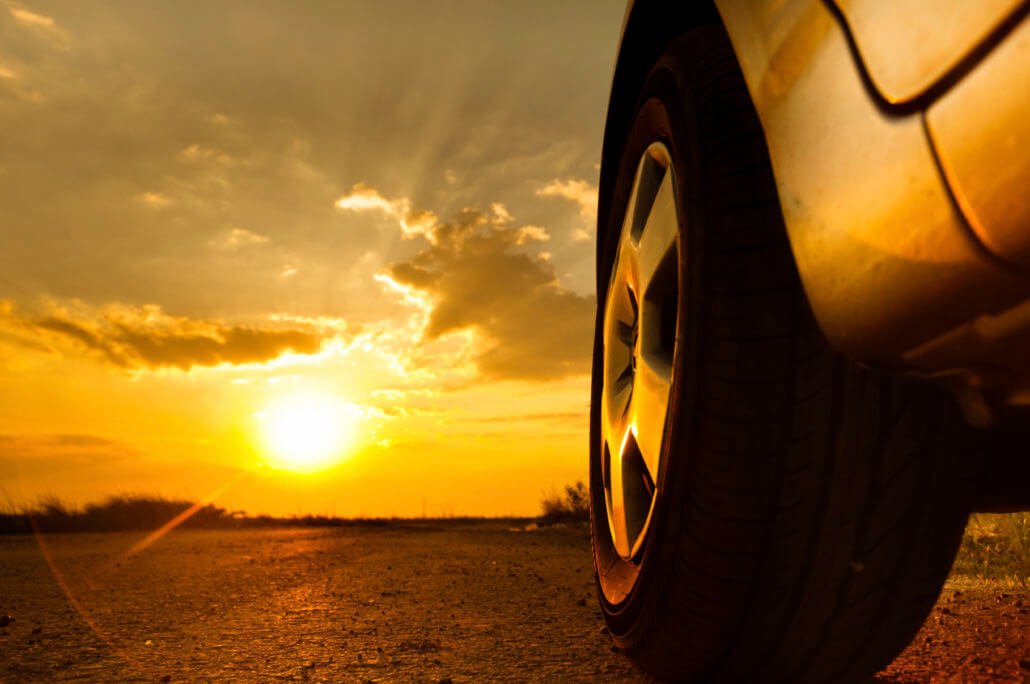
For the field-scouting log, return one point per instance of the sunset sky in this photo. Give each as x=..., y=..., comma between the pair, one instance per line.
x=335, y=255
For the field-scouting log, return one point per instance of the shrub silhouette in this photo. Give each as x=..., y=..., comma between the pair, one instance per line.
x=119, y=513
x=141, y=512
x=573, y=506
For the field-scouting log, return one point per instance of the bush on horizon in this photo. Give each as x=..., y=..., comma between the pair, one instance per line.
x=571, y=506
x=117, y=513
x=147, y=512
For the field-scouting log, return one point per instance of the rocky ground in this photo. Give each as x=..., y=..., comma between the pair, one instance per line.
x=978, y=632
x=417, y=602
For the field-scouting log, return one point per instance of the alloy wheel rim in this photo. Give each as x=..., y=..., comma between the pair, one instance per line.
x=640, y=328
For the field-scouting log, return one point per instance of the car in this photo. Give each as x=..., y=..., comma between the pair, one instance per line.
x=812, y=342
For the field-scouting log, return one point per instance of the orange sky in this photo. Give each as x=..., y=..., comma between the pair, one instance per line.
x=365, y=224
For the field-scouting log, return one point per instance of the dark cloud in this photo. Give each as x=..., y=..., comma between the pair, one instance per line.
x=64, y=448
x=139, y=338
x=475, y=276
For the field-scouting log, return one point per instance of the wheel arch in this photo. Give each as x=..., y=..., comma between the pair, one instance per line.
x=648, y=27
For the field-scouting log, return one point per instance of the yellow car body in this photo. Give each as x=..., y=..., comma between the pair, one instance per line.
x=899, y=135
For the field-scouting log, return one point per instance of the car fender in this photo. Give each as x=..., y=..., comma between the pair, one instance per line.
x=885, y=255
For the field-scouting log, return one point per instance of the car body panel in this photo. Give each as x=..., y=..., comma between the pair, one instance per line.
x=895, y=273
x=879, y=243
x=908, y=46
x=981, y=132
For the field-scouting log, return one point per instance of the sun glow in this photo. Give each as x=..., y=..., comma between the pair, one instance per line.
x=307, y=432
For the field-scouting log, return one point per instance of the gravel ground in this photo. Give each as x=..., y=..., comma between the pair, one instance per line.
x=978, y=632
x=416, y=602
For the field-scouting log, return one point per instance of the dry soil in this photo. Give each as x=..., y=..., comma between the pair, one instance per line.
x=426, y=602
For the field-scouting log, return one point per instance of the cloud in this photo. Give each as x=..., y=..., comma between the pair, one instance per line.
x=413, y=222
x=554, y=416
x=365, y=198
x=27, y=18
x=31, y=19
x=155, y=200
x=235, y=238
x=531, y=234
x=40, y=23
x=65, y=448
x=145, y=337
x=196, y=154
x=471, y=276
x=580, y=193
x=501, y=214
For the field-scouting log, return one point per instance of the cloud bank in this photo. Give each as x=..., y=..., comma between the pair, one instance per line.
x=140, y=338
x=478, y=273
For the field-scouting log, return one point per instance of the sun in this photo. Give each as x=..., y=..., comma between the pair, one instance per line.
x=307, y=431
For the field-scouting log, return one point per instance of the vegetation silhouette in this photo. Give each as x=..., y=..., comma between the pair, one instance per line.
x=573, y=505
x=996, y=546
x=142, y=512
x=119, y=513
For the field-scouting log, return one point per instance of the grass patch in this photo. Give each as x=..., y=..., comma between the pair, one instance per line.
x=996, y=547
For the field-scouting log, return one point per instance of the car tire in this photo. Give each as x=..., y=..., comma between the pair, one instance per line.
x=788, y=514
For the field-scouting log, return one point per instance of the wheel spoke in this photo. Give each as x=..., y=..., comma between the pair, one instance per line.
x=621, y=303
x=617, y=501
x=659, y=235
x=650, y=406
x=617, y=401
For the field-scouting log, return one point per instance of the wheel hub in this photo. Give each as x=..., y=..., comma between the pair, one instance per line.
x=640, y=324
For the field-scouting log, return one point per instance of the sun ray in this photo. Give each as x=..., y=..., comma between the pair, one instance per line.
x=180, y=519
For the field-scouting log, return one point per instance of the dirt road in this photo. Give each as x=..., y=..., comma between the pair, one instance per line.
x=427, y=603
